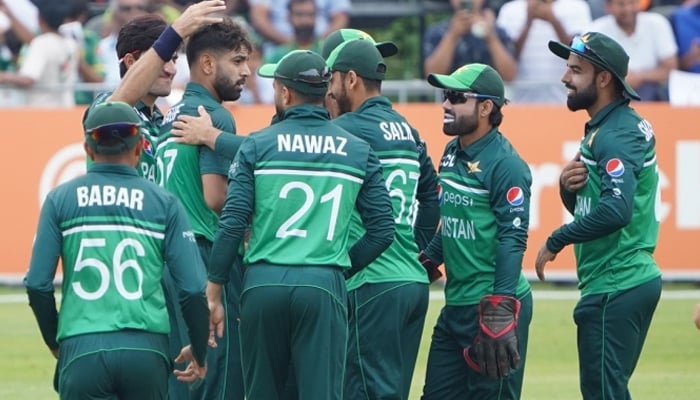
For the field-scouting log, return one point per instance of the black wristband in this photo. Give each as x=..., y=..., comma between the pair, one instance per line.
x=167, y=43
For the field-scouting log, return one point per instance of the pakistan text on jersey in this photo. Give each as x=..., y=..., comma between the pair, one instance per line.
x=108, y=195
x=457, y=228
x=583, y=206
x=316, y=144
x=397, y=131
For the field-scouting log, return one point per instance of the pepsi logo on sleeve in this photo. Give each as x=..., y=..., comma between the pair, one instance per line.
x=615, y=168
x=515, y=196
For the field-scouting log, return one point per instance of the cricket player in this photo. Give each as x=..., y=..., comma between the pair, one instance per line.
x=217, y=55
x=114, y=232
x=479, y=343
x=389, y=298
x=611, y=189
x=298, y=183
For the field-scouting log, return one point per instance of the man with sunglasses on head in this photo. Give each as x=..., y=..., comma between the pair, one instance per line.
x=611, y=189
x=389, y=298
x=298, y=183
x=114, y=233
x=479, y=343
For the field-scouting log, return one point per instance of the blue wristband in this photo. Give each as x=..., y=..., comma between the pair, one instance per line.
x=167, y=43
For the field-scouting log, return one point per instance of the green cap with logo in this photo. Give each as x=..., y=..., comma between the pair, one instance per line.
x=302, y=70
x=600, y=50
x=476, y=78
x=360, y=56
x=112, y=127
x=386, y=49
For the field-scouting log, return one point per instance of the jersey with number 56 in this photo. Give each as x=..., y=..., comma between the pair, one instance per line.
x=114, y=234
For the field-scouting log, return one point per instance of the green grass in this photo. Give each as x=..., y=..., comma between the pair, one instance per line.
x=668, y=368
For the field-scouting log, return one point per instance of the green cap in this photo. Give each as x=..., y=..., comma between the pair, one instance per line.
x=360, y=56
x=387, y=49
x=476, y=78
x=111, y=120
x=302, y=70
x=600, y=50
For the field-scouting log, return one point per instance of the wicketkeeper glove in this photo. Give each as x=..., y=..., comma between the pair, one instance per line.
x=430, y=267
x=495, y=350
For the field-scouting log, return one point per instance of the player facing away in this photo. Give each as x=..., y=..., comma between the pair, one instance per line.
x=389, y=298
x=479, y=343
x=611, y=189
x=298, y=183
x=217, y=55
x=116, y=234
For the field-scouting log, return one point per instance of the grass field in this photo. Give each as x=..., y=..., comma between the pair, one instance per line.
x=669, y=368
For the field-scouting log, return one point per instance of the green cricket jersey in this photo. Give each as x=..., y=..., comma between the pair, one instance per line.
x=615, y=226
x=150, y=129
x=300, y=181
x=113, y=233
x=181, y=166
x=484, y=218
x=412, y=184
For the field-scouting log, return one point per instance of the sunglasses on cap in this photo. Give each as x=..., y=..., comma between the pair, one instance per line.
x=311, y=77
x=455, y=97
x=119, y=130
x=579, y=45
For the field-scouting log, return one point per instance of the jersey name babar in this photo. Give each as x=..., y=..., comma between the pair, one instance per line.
x=316, y=144
x=396, y=131
x=108, y=195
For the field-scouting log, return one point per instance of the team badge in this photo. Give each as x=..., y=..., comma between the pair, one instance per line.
x=473, y=167
x=615, y=168
x=147, y=147
x=515, y=196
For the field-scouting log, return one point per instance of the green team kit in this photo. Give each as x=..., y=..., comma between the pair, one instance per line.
x=300, y=180
x=180, y=170
x=484, y=209
x=619, y=280
x=114, y=232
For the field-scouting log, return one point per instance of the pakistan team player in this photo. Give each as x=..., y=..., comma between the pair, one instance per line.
x=389, y=298
x=298, y=182
x=116, y=235
x=611, y=190
x=479, y=343
x=217, y=55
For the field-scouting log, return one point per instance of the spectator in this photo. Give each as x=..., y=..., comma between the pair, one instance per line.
x=9, y=62
x=685, y=21
x=648, y=39
x=90, y=68
x=270, y=18
x=49, y=69
x=21, y=16
x=470, y=36
x=122, y=11
x=530, y=23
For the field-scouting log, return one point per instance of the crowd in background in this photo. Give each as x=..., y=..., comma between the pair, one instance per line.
x=59, y=55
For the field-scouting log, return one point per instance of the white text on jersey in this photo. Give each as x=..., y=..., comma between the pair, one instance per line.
x=317, y=144
x=396, y=131
x=108, y=195
x=457, y=228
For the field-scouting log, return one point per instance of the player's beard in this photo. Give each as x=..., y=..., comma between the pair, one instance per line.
x=343, y=101
x=582, y=99
x=304, y=34
x=462, y=124
x=225, y=89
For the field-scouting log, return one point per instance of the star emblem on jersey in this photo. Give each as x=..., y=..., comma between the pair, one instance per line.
x=615, y=168
x=515, y=196
x=473, y=167
x=592, y=136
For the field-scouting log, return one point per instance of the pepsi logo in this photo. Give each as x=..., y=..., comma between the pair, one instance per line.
x=515, y=196
x=615, y=168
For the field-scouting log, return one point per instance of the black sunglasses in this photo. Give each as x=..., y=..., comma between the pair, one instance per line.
x=311, y=77
x=455, y=97
x=120, y=130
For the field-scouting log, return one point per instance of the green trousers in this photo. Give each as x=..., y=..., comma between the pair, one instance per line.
x=386, y=324
x=611, y=329
x=448, y=377
x=293, y=326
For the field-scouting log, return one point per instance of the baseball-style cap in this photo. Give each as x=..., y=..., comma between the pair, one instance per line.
x=360, y=56
x=476, y=78
x=386, y=49
x=602, y=51
x=301, y=70
x=112, y=127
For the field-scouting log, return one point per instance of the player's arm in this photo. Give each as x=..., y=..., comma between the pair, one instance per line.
x=199, y=130
x=140, y=77
x=374, y=206
x=428, y=215
x=213, y=169
x=189, y=275
x=42, y=270
x=511, y=174
x=614, y=209
x=572, y=178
